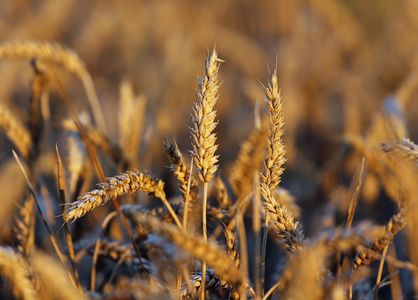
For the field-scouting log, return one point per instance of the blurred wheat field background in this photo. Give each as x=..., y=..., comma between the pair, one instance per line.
x=210, y=149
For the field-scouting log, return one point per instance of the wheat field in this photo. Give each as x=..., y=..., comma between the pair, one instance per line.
x=208, y=149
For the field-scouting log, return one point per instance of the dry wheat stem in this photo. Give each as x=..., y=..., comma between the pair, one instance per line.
x=61, y=193
x=51, y=236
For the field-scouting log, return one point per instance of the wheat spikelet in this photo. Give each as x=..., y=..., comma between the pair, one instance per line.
x=195, y=246
x=283, y=220
x=14, y=270
x=15, y=131
x=136, y=289
x=275, y=150
x=285, y=199
x=60, y=55
x=404, y=148
x=54, y=278
x=25, y=227
x=213, y=282
x=385, y=238
x=203, y=138
x=231, y=245
x=119, y=185
x=182, y=171
x=248, y=161
x=131, y=121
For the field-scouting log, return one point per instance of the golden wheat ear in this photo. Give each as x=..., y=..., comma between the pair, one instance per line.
x=56, y=54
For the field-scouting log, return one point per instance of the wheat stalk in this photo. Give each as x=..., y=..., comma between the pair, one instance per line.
x=203, y=138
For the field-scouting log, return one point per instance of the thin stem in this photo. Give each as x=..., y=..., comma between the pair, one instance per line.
x=54, y=242
x=170, y=209
x=271, y=291
x=264, y=250
x=379, y=273
x=205, y=238
x=257, y=237
x=61, y=193
x=242, y=242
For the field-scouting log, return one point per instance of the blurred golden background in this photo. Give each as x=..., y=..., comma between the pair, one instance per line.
x=342, y=64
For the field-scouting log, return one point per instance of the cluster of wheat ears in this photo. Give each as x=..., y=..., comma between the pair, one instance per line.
x=211, y=243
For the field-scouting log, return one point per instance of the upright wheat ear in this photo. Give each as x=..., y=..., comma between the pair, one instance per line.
x=203, y=139
x=275, y=150
x=289, y=230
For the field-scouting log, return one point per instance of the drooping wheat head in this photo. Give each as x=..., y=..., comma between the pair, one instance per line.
x=119, y=185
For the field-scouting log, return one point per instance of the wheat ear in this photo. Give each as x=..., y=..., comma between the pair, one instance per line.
x=119, y=185
x=404, y=148
x=15, y=131
x=131, y=122
x=289, y=230
x=275, y=150
x=14, y=270
x=203, y=138
x=57, y=54
x=223, y=264
x=189, y=186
